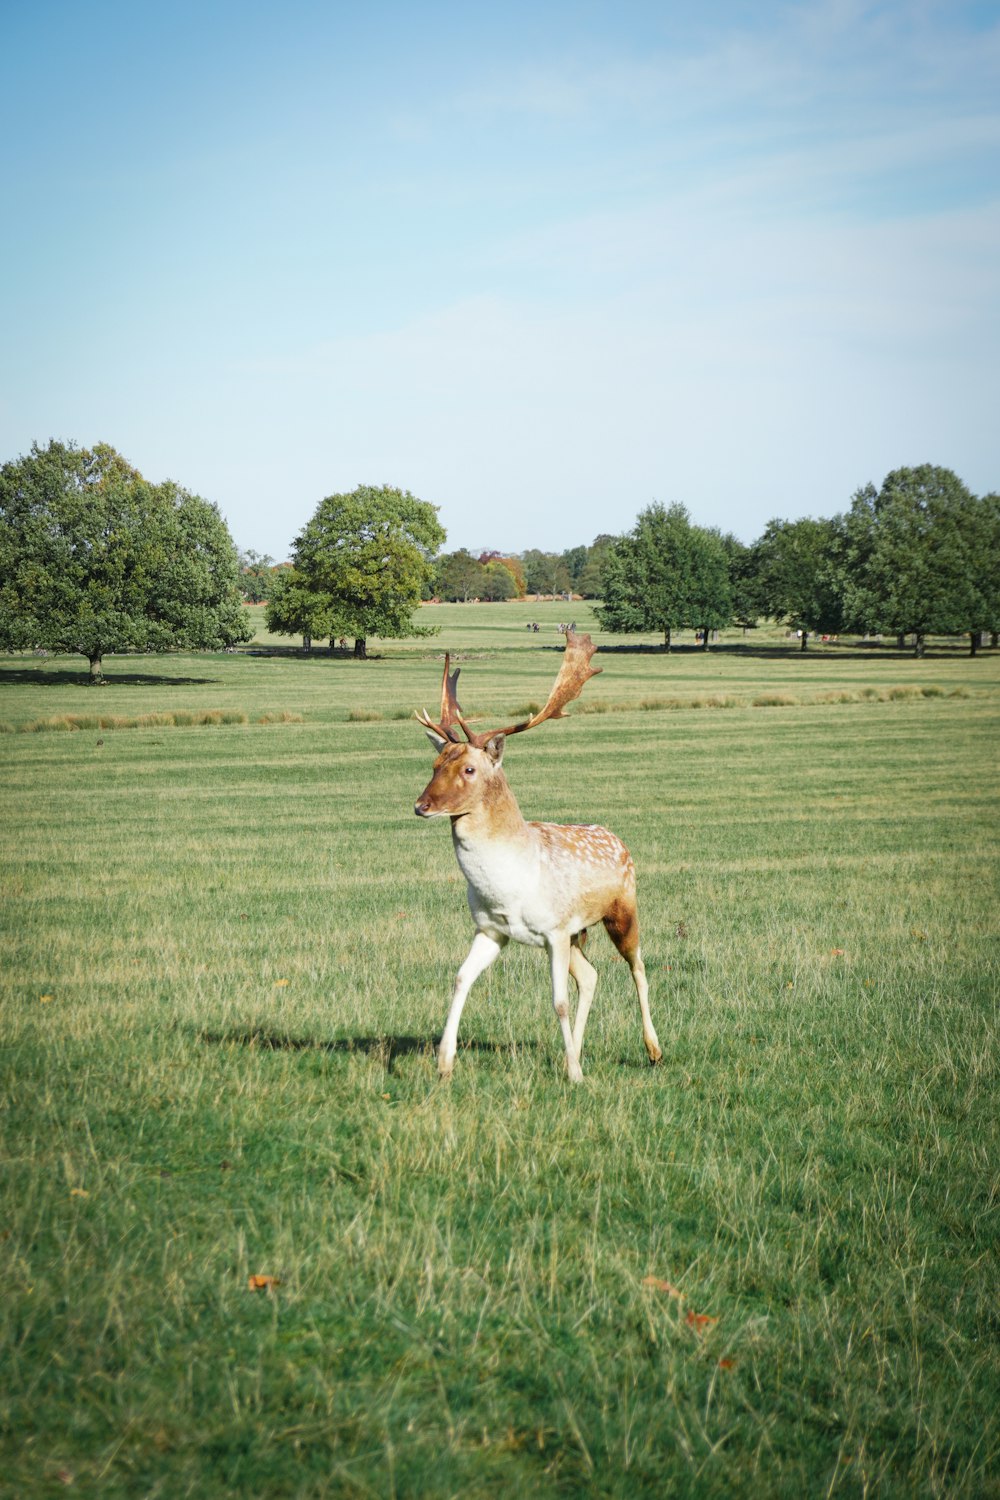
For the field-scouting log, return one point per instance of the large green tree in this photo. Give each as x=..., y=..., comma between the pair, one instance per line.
x=911, y=556
x=96, y=559
x=793, y=577
x=370, y=555
x=666, y=574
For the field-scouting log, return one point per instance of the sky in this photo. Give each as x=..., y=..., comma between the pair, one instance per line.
x=540, y=264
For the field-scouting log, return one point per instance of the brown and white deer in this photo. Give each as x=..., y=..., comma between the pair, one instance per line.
x=542, y=884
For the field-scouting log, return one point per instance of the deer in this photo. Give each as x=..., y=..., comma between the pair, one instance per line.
x=541, y=884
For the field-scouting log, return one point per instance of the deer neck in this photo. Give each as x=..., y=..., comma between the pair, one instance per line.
x=496, y=817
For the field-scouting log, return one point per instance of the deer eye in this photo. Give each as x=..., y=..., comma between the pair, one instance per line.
x=469, y=771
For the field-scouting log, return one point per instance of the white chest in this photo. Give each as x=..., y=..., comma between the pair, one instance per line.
x=507, y=894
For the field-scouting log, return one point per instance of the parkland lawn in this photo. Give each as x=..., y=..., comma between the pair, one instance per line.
x=251, y=1247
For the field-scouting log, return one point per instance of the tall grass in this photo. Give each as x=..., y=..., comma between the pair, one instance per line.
x=767, y=1267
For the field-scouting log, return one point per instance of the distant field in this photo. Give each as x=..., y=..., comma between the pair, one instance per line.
x=768, y=1267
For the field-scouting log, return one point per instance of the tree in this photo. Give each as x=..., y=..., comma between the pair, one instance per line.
x=256, y=575
x=742, y=581
x=544, y=572
x=666, y=574
x=499, y=582
x=457, y=575
x=794, y=580
x=370, y=554
x=908, y=556
x=984, y=530
x=94, y=559
x=293, y=608
x=589, y=580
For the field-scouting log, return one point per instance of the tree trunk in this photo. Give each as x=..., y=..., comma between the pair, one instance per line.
x=704, y=638
x=973, y=641
x=918, y=644
x=360, y=648
x=901, y=640
x=666, y=637
x=307, y=643
x=96, y=675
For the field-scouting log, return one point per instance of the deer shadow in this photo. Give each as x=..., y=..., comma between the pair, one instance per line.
x=386, y=1049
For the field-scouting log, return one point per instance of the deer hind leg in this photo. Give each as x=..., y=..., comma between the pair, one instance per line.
x=585, y=976
x=622, y=924
x=482, y=953
x=560, y=957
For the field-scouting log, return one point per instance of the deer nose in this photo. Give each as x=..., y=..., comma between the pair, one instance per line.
x=420, y=807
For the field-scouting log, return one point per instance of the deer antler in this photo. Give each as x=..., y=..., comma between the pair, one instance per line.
x=573, y=674
x=451, y=713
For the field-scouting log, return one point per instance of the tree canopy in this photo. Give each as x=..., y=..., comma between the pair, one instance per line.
x=793, y=575
x=666, y=574
x=912, y=555
x=95, y=559
x=368, y=556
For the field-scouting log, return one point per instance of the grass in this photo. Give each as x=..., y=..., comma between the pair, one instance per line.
x=767, y=1267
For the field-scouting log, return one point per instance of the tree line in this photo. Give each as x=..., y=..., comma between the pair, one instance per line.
x=920, y=556
x=94, y=559
x=916, y=557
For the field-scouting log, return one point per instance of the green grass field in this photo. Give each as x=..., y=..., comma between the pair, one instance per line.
x=767, y=1267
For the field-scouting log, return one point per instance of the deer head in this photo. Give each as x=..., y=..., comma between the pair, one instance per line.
x=465, y=771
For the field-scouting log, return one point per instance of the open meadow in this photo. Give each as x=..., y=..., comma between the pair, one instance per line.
x=251, y=1246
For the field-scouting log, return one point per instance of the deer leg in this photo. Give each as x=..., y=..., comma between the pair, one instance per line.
x=622, y=923
x=559, y=959
x=482, y=953
x=585, y=975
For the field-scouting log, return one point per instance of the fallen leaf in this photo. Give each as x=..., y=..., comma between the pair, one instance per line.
x=727, y=1364
x=919, y=934
x=657, y=1284
x=78, y=1193
x=700, y=1321
x=46, y=998
x=262, y=1283
x=280, y=983
x=836, y=952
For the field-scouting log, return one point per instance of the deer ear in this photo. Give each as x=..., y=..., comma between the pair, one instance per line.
x=494, y=748
x=437, y=740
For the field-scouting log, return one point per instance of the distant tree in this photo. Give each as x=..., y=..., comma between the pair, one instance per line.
x=256, y=575
x=513, y=565
x=544, y=572
x=984, y=530
x=742, y=581
x=666, y=574
x=370, y=553
x=457, y=575
x=293, y=608
x=907, y=556
x=794, y=580
x=574, y=560
x=95, y=559
x=589, y=581
x=499, y=582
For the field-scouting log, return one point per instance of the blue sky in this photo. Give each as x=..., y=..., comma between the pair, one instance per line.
x=540, y=264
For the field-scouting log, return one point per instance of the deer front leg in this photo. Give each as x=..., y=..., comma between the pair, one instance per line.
x=482, y=953
x=585, y=975
x=559, y=959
